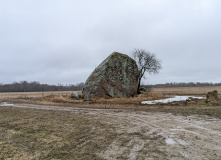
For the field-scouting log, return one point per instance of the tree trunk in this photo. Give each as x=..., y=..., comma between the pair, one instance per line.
x=138, y=87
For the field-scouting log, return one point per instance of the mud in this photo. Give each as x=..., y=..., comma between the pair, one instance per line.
x=154, y=135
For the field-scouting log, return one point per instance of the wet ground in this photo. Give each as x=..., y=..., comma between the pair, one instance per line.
x=153, y=135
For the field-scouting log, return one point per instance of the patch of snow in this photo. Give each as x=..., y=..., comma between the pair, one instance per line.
x=182, y=142
x=167, y=100
x=6, y=104
x=170, y=141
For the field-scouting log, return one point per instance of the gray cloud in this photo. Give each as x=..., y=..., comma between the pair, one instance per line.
x=57, y=41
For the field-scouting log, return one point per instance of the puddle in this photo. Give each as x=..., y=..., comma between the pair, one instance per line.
x=176, y=98
x=6, y=104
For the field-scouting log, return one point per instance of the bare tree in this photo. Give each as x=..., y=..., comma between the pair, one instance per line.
x=147, y=63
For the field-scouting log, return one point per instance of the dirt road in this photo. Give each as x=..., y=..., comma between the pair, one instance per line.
x=154, y=135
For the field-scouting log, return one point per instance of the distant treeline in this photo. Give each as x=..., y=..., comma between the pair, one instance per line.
x=25, y=86
x=184, y=84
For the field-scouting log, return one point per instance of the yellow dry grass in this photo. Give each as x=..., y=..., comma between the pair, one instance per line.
x=64, y=96
x=40, y=134
x=186, y=90
x=48, y=98
x=131, y=100
x=34, y=94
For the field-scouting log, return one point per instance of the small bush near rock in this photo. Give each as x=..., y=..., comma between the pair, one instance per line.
x=142, y=90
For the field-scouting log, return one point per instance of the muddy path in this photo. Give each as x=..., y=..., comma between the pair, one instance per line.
x=154, y=135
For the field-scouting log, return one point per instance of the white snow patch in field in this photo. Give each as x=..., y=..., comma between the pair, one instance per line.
x=176, y=98
x=6, y=104
x=170, y=141
x=182, y=142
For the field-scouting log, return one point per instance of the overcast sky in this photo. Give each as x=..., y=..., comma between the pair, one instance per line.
x=62, y=41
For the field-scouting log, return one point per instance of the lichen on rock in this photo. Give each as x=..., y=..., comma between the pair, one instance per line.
x=116, y=76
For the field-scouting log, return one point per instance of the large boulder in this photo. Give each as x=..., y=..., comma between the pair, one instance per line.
x=116, y=76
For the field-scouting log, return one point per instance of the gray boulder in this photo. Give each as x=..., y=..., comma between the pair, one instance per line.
x=75, y=95
x=214, y=95
x=116, y=76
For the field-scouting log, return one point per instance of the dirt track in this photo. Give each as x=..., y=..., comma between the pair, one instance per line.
x=154, y=135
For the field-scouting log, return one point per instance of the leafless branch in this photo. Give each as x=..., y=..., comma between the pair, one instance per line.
x=147, y=63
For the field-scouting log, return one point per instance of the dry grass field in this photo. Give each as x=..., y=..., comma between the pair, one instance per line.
x=27, y=134
x=14, y=95
x=186, y=90
x=157, y=93
x=51, y=125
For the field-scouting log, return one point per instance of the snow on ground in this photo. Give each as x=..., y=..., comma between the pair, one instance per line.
x=5, y=104
x=176, y=98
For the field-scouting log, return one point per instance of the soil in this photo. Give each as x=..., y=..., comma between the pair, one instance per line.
x=55, y=126
x=152, y=135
